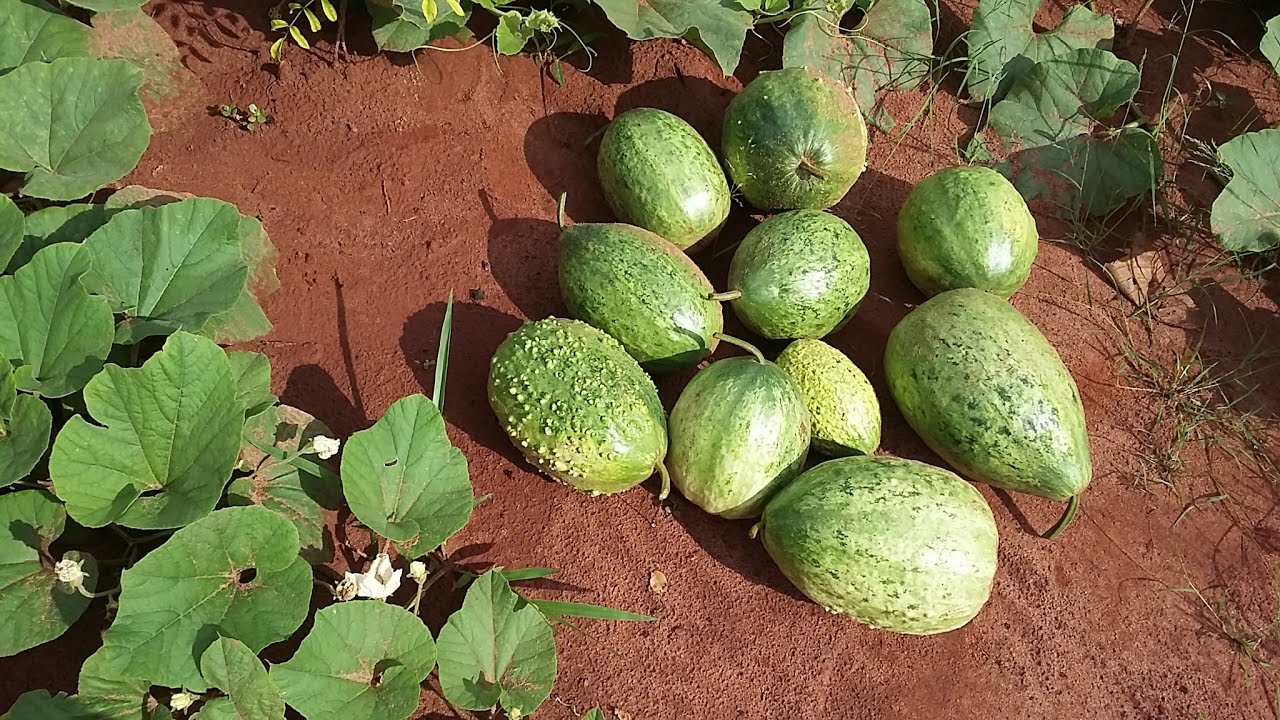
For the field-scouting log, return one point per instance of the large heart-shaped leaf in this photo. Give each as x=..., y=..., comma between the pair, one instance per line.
x=107, y=693
x=39, y=705
x=363, y=660
x=176, y=601
x=245, y=320
x=233, y=668
x=24, y=436
x=73, y=125
x=34, y=606
x=496, y=650
x=892, y=49
x=12, y=228
x=35, y=32
x=1050, y=120
x=400, y=26
x=169, y=267
x=165, y=443
x=57, y=224
x=1003, y=44
x=718, y=26
x=404, y=480
x=1271, y=43
x=1246, y=216
x=59, y=333
x=301, y=497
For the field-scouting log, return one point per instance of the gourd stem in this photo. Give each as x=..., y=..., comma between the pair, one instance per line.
x=1068, y=515
x=807, y=165
x=666, y=482
x=755, y=530
x=742, y=344
x=725, y=296
x=560, y=209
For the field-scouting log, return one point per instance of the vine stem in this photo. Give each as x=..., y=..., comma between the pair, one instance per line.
x=1073, y=505
x=807, y=165
x=742, y=344
x=725, y=296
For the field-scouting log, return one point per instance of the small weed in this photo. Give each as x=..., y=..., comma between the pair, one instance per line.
x=1220, y=617
x=249, y=119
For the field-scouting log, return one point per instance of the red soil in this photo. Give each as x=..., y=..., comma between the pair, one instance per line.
x=387, y=183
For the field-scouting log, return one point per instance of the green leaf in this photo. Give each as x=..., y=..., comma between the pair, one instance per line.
x=558, y=610
x=1049, y=120
x=1246, y=216
x=400, y=26
x=363, y=660
x=718, y=26
x=511, y=34
x=595, y=714
x=8, y=394
x=164, y=445
x=73, y=125
x=233, y=668
x=12, y=228
x=531, y=573
x=404, y=480
x=892, y=50
x=297, y=36
x=169, y=267
x=252, y=373
x=496, y=650
x=58, y=224
x=1003, y=44
x=34, y=607
x=102, y=6
x=326, y=6
x=24, y=436
x=456, y=7
x=299, y=496
x=278, y=24
x=106, y=693
x=36, y=32
x=181, y=597
x=39, y=705
x=1271, y=43
x=276, y=48
x=429, y=10
x=312, y=21
x=58, y=331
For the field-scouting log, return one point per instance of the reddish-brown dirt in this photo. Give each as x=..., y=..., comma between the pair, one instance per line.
x=386, y=183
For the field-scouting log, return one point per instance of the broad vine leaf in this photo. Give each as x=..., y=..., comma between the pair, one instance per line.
x=35, y=31
x=235, y=573
x=72, y=125
x=59, y=333
x=1051, y=121
x=717, y=26
x=892, y=50
x=595, y=714
x=1246, y=216
x=511, y=35
x=301, y=497
x=169, y=267
x=164, y=443
x=25, y=425
x=34, y=607
x=245, y=320
x=404, y=480
x=252, y=373
x=1003, y=44
x=1271, y=43
x=363, y=660
x=496, y=650
x=108, y=694
x=233, y=668
x=12, y=228
x=58, y=224
x=400, y=26
x=39, y=705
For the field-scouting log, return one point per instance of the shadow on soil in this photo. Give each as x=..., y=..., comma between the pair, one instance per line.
x=478, y=329
x=727, y=541
x=311, y=388
x=697, y=101
x=557, y=150
x=522, y=257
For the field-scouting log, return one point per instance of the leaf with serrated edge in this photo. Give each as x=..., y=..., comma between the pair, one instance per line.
x=72, y=125
x=109, y=695
x=236, y=670
x=1246, y=215
x=332, y=675
x=404, y=480
x=12, y=224
x=34, y=607
x=718, y=26
x=35, y=32
x=165, y=443
x=1089, y=175
x=282, y=487
x=1003, y=44
x=48, y=321
x=1064, y=97
x=169, y=267
x=496, y=650
x=892, y=49
x=179, y=598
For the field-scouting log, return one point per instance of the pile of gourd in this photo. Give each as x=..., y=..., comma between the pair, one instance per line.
x=895, y=543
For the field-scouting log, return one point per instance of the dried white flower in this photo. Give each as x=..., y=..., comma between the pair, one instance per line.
x=346, y=590
x=380, y=580
x=70, y=572
x=183, y=700
x=326, y=447
x=418, y=571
